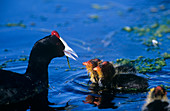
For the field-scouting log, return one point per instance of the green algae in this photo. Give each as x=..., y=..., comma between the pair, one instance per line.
x=148, y=89
x=156, y=29
x=70, y=69
x=145, y=34
x=94, y=17
x=166, y=55
x=127, y=28
x=67, y=69
x=96, y=6
x=155, y=25
x=22, y=59
x=145, y=65
x=130, y=90
x=100, y=7
x=20, y=24
x=82, y=68
x=4, y=65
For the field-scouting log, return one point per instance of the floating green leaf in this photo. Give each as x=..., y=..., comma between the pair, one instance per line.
x=20, y=24
x=166, y=55
x=144, y=65
x=127, y=28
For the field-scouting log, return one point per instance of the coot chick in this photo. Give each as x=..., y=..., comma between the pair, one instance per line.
x=90, y=65
x=130, y=83
x=124, y=69
x=123, y=82
x=15, y=88
x=106, y=73
x=157, y=100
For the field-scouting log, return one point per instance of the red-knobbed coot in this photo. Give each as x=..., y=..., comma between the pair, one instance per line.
x=90, y=65
x=15, y=88
x=157, y=100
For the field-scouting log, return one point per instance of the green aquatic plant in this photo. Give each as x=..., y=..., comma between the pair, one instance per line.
x=100, y=7
x=22, y=59
x=94, y=17
x=20, y=24
x=4, y=65
x=121, y=89
x=166, y=55
x=145, y=65
x=127, y=28
x=147, y=33
x=70, y=69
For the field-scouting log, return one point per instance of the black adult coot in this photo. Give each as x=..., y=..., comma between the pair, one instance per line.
x=15, y=88
x=157, y=100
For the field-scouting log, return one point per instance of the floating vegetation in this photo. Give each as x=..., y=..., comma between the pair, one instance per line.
x=99, y=7
x=94, y=17
x=146, y=65
x=127, y=28
x=154, y=30
x=20, y=24
x=70, y=69
x=156, y=9
x=148, y=34
x=22, y=59
x=121, y=89
x=166, y=55
x=4, y=65
x=82, y=68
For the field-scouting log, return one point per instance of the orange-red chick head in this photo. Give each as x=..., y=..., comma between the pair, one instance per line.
x=106, y=72
x=90, y=65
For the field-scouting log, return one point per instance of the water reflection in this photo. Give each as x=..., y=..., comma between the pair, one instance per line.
x=101, y=98
x=37, y=103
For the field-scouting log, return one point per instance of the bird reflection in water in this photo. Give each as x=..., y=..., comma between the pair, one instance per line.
x=101, y=98
x=38, y=103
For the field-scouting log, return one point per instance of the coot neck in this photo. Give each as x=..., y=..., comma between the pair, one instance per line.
x=37, y=69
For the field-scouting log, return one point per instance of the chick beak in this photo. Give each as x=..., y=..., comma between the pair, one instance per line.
x=68, y=51
x=85, y=63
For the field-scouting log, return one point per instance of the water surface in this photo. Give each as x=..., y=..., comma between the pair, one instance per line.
x=92, y=32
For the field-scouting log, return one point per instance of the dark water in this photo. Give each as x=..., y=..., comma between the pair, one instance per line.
x=91, y=32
